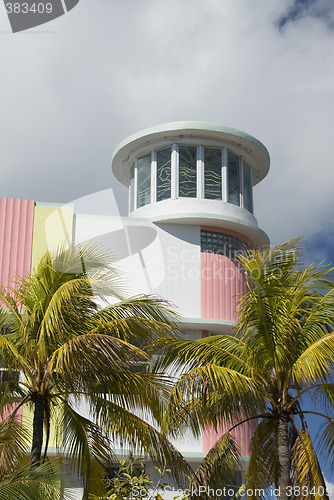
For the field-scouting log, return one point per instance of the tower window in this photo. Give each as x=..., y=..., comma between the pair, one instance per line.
x=187, y=171
x=132, y=188
x=144, y=180
x=222, y=244
x=193, y=171
x=247, y=191
x=213, y=174
x=233, y=179
x=163, y=174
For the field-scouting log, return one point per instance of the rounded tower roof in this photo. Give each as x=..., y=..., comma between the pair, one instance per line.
x=176, y=132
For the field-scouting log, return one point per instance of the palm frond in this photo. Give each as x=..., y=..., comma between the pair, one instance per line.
x=135, y=433
x=176, y=354
x=263, y=468
x=38, y=483
x=14, y=439
x=93, y=353
x=307, y=471
x=315, y=364
x=326, y=442
x=140, y=319
x=219, y=468
x=209, y=395
x=88, y=450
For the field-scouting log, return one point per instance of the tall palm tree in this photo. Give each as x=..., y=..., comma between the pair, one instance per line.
x=62, y=346
x=282, y=351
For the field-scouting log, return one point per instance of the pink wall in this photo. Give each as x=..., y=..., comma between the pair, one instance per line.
x=222, y=283
x=16, y=227
x=243, y=433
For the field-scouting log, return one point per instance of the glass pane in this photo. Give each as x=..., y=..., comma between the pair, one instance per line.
x=132, y=188
x=233, y=179
x=247, y=188
x=212, y=174
x=222, y=244
x=144, y=180
x=163, y=174
x=187, y=171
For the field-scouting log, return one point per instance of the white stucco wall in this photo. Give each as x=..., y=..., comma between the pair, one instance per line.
x=159, y=259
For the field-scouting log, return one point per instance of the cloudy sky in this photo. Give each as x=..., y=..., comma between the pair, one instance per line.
x=73, y=88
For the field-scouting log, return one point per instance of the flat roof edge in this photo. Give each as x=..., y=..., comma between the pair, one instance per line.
x=190, y=125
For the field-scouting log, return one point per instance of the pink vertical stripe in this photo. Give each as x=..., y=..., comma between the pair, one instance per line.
x=243, y=435
x=222, y=284
x=16, y=228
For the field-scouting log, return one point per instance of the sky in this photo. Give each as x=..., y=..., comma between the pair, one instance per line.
x=71, y=89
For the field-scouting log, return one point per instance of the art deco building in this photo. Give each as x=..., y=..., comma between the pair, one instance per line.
x=190, y=212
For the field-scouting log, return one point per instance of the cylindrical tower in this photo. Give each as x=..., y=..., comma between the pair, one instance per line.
x=193, y=181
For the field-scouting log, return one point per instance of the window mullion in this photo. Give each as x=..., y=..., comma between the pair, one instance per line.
x=153, y=177
x=175, y=172
x=200, y=172
x=241, y=171
x=224, y=176
x=135, y=186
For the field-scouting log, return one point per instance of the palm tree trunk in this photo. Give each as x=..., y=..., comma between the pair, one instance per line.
x=47, y=438
x=283, y=457
x=47, y=424
x=37, y=437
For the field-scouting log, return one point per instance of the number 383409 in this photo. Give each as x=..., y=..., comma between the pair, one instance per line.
x=25, y=8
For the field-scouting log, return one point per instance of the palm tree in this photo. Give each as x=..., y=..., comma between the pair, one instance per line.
x=280, y=358
x=61, y=348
